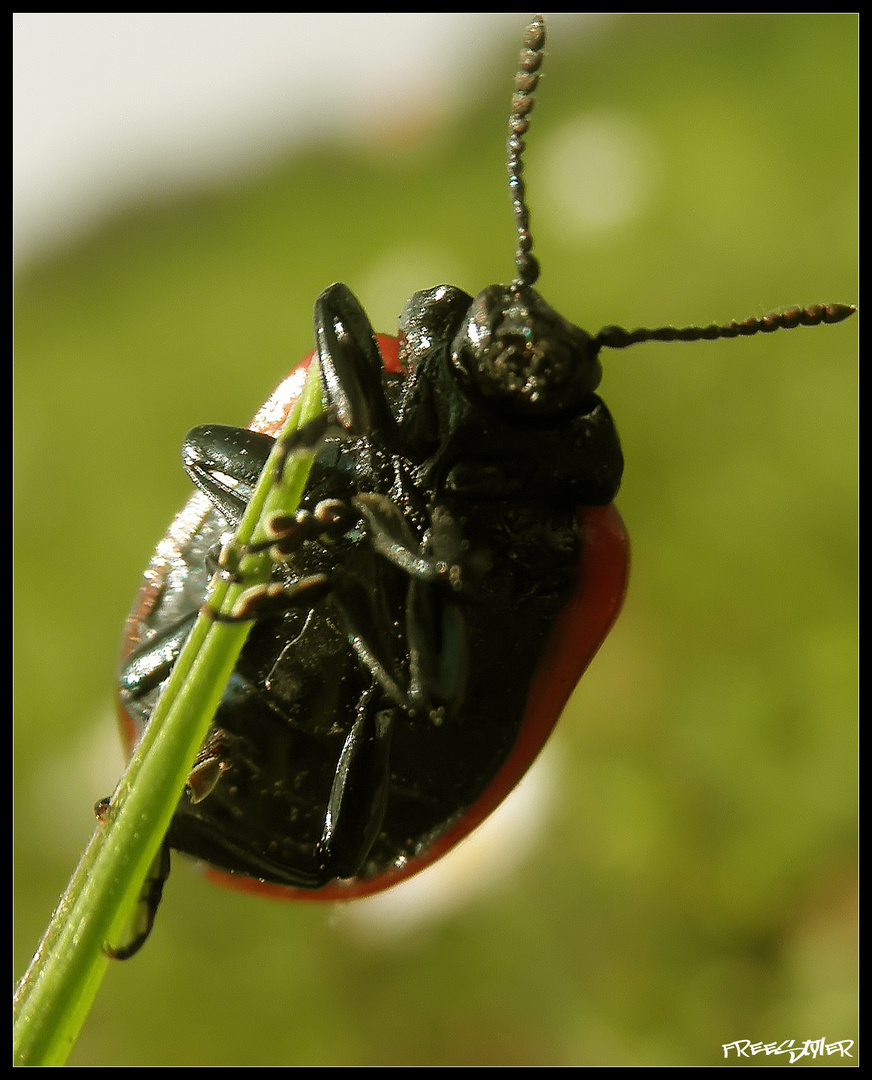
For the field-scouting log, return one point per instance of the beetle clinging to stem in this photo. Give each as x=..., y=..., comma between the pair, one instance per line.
x=455, y=563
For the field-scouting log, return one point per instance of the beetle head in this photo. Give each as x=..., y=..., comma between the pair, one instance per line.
x=513, y=351
x=516, y=353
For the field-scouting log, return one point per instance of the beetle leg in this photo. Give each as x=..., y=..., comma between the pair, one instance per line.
x=351, y=366
x=436, y=633
x=153, y=659
x=393, y=539
x=225, y=463
x=286, y=533
x=437, y=638
x=362, y=623
x=435, y=628
x=149, y=897
x=359, y=795
x=146, y=907
x=274, y=599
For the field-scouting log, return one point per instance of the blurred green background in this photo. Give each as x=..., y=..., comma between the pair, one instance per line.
x=680, y=870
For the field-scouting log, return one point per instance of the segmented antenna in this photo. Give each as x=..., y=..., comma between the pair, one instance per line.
x=615, y=337
x=526, y=81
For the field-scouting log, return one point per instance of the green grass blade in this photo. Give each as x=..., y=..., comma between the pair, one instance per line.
x=58, y=989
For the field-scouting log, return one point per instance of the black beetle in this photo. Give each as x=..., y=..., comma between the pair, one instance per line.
x=455, y=564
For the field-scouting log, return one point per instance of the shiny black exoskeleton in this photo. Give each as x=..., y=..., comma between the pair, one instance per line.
x=359, y=726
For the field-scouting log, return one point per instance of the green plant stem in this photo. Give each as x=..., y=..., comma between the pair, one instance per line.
x=59, y=987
